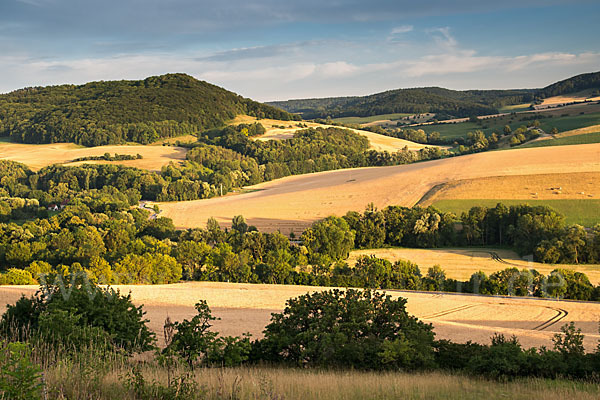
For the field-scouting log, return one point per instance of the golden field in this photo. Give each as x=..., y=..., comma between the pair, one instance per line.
x=291, y=204
x=247, y=308
x=37, y=156
x=275, y=132
x=460, y=264
x=576, y=185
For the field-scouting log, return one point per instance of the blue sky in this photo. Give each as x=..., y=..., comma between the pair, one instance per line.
x=282, y=49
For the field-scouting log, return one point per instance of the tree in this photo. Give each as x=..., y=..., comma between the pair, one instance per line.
x=507, y=130
x=360, y=329
x=331, y=237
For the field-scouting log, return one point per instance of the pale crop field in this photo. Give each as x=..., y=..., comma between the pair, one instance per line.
x=291, y=204
x=37, y=156
x=248, y=307
x=576, y=185
x=460, y=264
x=274, y=131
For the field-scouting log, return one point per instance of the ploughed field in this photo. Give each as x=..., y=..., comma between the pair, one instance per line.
x=248, y=307
x=37, y=156
x=291, y=204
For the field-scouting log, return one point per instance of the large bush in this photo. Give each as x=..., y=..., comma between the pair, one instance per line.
x=84, y=305
x=353, y=328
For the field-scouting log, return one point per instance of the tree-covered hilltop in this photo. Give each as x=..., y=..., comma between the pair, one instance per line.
x=415, y=101
x=574, y=84
x=99, y=113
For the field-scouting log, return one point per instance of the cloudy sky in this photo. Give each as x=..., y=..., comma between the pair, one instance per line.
x=282, y=49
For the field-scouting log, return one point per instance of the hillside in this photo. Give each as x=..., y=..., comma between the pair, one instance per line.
x=451, y=103
x=114, y=112
x=445, y=102
x=571, y=85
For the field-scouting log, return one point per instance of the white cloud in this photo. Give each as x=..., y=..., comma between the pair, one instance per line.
x=402, y=29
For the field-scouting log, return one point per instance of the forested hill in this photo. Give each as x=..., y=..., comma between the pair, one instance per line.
x=573, y=85
x=445, y=102
x=111, y=112
x=418, y=100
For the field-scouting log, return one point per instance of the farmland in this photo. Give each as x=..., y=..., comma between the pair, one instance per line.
x=460, y=264
x=293, y=203
x=248, y=307
x=281, y=130
x=582, y=138
x=37, y=156
x=563, y=118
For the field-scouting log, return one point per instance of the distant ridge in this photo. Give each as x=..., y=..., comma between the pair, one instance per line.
x=111, y=112
x=444, y=102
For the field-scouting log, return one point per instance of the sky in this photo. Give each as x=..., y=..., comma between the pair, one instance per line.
x=285, y=49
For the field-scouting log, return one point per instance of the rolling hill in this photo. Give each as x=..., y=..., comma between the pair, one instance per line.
x=114, y=112
x=445, y=102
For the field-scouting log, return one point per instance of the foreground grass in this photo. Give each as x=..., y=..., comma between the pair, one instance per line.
x=565, y=141
x=284, y=383
x=584, y=212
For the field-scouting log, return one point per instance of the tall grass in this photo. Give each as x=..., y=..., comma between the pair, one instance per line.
x=89, y=374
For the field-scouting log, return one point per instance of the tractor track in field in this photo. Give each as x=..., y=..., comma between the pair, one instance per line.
x=450, y=311
x=560, y=315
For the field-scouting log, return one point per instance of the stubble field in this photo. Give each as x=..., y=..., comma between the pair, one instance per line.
x=248, y=307
x=37, y=156
x=293, y=203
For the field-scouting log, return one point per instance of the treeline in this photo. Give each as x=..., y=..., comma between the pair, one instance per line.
x=109, y=157
x=100, y=113
x=100, y=233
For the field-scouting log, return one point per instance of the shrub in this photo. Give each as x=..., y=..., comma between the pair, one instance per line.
x=83, y=304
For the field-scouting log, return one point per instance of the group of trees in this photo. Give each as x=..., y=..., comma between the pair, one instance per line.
x=99, y=233
x=145, y=111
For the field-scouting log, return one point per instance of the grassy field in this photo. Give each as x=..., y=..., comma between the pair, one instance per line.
x=460, y=264
x=565, y=141
x=372, y=118
x=585, y=212
x=558, y=120
x=515, y=108
x=37, y=156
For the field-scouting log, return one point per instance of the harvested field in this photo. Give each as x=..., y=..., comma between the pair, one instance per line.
x=247, y=308
x=580, y=185
x=37, y=156
x=580, y=131
x=293, y=203
x=276, y=132
x=460, y=264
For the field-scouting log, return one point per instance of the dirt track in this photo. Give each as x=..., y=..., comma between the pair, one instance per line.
x=293, y=203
